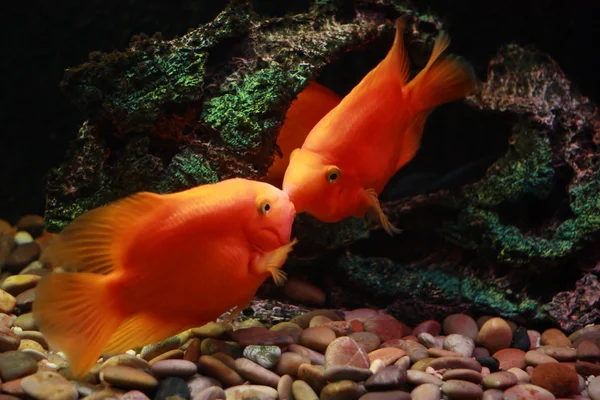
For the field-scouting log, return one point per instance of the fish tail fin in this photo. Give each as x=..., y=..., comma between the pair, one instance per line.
x=442, y=80
x=76, y=314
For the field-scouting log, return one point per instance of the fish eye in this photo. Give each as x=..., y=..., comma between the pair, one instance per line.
x=333, y=174
x=264, y=207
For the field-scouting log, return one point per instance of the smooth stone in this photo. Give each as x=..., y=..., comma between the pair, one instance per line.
x=26, y=322
x=344, y=351
x=420, y=378
x=304, y=292
x=386, y=327
x=251, y=392
x=261, y=336
x=588, y=350
x=210, y=346
x=9, y=340
x=289, y=328
x=344, y=328
x=535, y=357
x=587, y=368
x=459, y=344
x=197, y=383
x=430, y=326
x=21, y=256
x=559, y=353
x=463, y=375
x=210, y=393
x=368, y=341
x=128, y=360
x=15, y=364
x=314, y=375
x=534, y=339
x=527, y=391
x=317, y=338
x=495, y=334
x=558, y=379
x=342, y=390
x=47, y=385
x=480, y=352
x=388, y=355
x=510, y=358
x=591, y=332
x=211, y=366
x=289, y=364
x=463, y=390
x=489, y=362
x=36, y=355
x=455, y=362
x=377, y=366
x=193, y=351
x=22, y=237
x=520, y=339
x=225, y=359
x=255, y=373
x=153, y=350
x=249, y=323
x=13, y=387
x=492, y=394
x=172, y=388
x=344, y=372
x=134, y=395
x=403, y=362
x=314, y=356
x=7, y=302
x=522, y=376
x=304, y=320
x=25, y=300
x=435, y=352
x=461, y=324
x=554, y=337
x=302, y=391
x=265, y=356
x=180, y=368
x=360, y=314
x=318, y=321
x=212, y=329
x=33, y=335
x=127, y=378
x=6, y=320
x=32, y=224
x=499, y=380
x=427, y=391
x=17, y=284
x=284, y=388
x=389, y=378
x=594, y=388
x=429, y=341
x=388, y=395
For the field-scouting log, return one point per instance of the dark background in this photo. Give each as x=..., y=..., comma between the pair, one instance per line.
x=42, y=38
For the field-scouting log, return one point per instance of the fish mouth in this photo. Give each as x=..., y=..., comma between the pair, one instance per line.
x=292, y=192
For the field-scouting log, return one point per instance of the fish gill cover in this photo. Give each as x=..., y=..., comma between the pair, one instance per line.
x=490, y=234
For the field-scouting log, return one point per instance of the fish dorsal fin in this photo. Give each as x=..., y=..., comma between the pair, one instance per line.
x=412, y=139
x=396, y=61
x=90, y=242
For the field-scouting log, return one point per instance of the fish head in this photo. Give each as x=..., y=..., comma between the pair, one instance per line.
x=320, y=188
x=273, y=215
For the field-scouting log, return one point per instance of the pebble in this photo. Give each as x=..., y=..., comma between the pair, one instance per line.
x=455, y=362
x=265, y=356
x=342, y=390
x=389, y=378
x=388, y=395
x=386, y=327
x=463, y=390
x=559, y=379
x=128, y=360
x=16, y=284
x=211, y=346
x=435, y=352
x=360, y=314
x=591, y=332
x=284, y=388
x=490, y=363
x=522, y=376
x=459, y=344
x=431, y=327
x=345, y=328
x=26, y=322
x=255, y=373
x=463, y=374
x=47, y=385
x=180, y=368
x=127, y=378
x=416, y=351
x=344, y=351
x=342, y=373
x=212, y=329
x=426, y=391
x=304, y=292
x=32, y=224
x=510, y=358
x=314, y=375
x=9, y=340
x=368, y=341
x=261, y=336
x=289, y=328
x=499, y=380
x=594, y=389
x=197, y=383
x=588, y=350
x=388, y=355
x=175, y=354
x=554, y=337
x=587, y=368
x=526, y=391
x=317, y=338
x=21, y=256
x=534, y=357
x=304, y=320
x=461, y=324
x=153, y=350
x=314, y=356
x=251, y=392
x=520, y=339
x=7, y=302
x=289, y=363
x=24, y=300
x=492, y=394
x=559, y=353
x=15, y=364
x=211, y=366
x=534, y=339
x=134, y=395
x=210, y=393
x=495, y=334
x=301, y=391
x=420, y=378
x=377, y=366
x=428, y=340
x=319, y=320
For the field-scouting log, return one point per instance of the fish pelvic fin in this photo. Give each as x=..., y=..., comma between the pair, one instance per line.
x=272, y=262
x=375, y=207
x=442, y=80
x=143, y=329
x=92, y=242
x=74, y=311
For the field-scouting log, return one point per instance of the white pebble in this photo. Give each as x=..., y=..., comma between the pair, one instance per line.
x=23, y=237
x=131, y=352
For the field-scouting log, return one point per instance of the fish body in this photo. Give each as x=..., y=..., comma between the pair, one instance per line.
x=305, y=111
x=150, y=266
x=351, y=153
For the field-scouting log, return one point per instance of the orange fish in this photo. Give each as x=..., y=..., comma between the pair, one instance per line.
x=150, y=266
x=309, y=107
x=352, y=152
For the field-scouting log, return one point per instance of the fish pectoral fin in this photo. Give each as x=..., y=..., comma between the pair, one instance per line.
x=272, y=261
x=143, y=329
x=86, y=245
x=76, y=315
x=375, y=207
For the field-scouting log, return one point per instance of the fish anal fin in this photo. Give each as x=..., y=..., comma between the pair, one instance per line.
x=75, y=314
x=88, y=243
x=143, y=329
x=412, y=139
x=375, y=208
